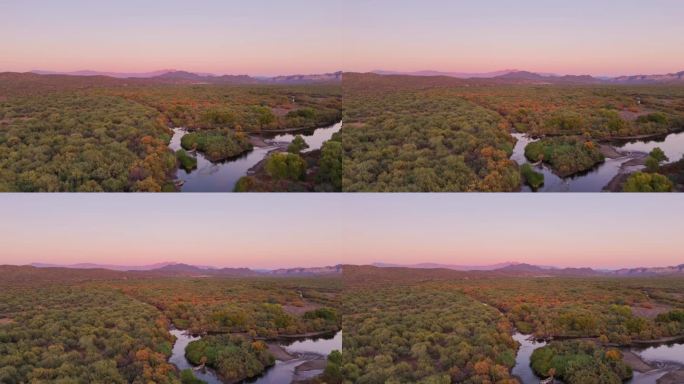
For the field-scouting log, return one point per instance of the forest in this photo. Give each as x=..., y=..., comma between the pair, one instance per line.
x=410, y=133
x=93, y=134
x=97, y=326
x=297, y=171
x=441, y=326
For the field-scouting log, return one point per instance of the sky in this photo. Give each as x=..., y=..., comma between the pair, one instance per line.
x=606, y=37
x=270, y=37
x=257, y=37
x=305, y=230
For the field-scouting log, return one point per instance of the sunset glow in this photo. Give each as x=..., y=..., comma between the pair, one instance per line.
x=269, y=231
x=267, y=37
x=257, y=37
x=613, y=37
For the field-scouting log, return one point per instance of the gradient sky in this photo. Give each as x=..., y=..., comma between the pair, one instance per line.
x=278, y=230
x=268, y=37
x=606, y=37
x=262, y=37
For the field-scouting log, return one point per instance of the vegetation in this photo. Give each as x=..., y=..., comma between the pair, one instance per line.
x=401, y=330
x=87, y=326
x=419, y=140
x=531, y=177
x=319, y=171
x=405, y=133
x=77, y=334
x=286, y=166
x=566, y=155
x=234, y=358
x=88, y=134
x=217, y=145
x=409, y=325
x=186, y=161
x=577, y=362
x=84, y=143
x=297, y=145
x=648, y=182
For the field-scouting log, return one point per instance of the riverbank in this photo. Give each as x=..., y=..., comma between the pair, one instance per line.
x=303, y=359
x=674, y=377
x=623, y=157
x=223, y=176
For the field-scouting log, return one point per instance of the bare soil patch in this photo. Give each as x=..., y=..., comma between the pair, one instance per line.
x=279, y=352
x=634, y=361
x=632, y=116
x=6, y=320
x=676, y=377
x=300, y=310
x=651, y=313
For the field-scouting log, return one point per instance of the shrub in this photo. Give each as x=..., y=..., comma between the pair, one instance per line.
x=286, y=166
x=648, y=182
x=186, y=161
x=532, y=178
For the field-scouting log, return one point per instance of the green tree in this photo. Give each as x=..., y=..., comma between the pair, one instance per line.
x=532, y=178
x=330, y=165
x=658, y=154
x=286, y=166
x=648, y=182
x=297, y=145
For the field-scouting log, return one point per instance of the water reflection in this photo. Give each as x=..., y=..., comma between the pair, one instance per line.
x=672, y=145
x=222, y=176
x=522, y=369
x=591, y=181
x=306, y=349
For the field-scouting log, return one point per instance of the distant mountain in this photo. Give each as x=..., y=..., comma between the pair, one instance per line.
x=651, y=79
x=302, y=79
x=519, y=76
x=460, y=75
x=105, y=266
x=335, y=270
x=513, y=268
x=185, y=77
x=448, y=266
x=679, y=269
x=119, y=75
x=192, y=270
x=180, y=269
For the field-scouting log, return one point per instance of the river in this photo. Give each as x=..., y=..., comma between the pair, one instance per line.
x=597, y=178
x=664, y=358
x=222, y=176
x=304, y=350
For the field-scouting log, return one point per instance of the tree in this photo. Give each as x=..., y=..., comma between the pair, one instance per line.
x=648, y=182
x=658, y=154
x=297, y=145
x=330, y=165
x=286, y=166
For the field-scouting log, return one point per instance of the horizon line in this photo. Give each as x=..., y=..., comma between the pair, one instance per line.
x=438, y=72
x=161, y=264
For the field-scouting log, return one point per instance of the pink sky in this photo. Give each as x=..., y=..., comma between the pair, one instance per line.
x=272, y=231
x=270, y=37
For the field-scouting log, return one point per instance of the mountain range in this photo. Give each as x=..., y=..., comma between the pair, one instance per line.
x=180, y=269
x=185, y=77
x=514, y=75
x=536, y=270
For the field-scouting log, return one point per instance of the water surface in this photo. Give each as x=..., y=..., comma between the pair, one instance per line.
x=672, y=145
x=222, y=176
x=522, y=368
x=282, y=372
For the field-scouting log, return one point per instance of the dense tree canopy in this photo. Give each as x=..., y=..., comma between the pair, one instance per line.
x=565, y=155
x=70, y=133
